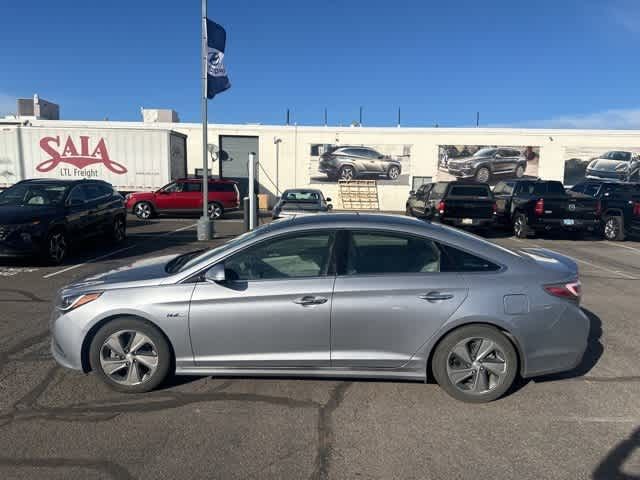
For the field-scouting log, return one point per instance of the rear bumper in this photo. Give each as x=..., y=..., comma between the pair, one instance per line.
x=463, y=222
x=559, y=224
x=559, y=347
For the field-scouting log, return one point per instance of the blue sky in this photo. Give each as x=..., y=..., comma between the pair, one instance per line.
x=557, y=63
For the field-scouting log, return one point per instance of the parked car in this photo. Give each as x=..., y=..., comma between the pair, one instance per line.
x=337, y=295
x=534, y=206
x=348, y=163
x=615, y=165
x=488, y=162
x=619, y=206
x=185, y=196
x=462, y=204
x=43, y=217
x=301, y=201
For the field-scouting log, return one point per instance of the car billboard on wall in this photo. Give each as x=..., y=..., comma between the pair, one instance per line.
x=389, y=164
x=617, y=164
x=487, y=163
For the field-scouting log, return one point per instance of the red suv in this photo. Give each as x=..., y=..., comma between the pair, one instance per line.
x=185, y=195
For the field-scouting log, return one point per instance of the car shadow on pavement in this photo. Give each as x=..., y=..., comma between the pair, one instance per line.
x=611, y=466
x=591, y=355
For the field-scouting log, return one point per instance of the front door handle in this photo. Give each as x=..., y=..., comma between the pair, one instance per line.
x=310, y=300
x=436, y=296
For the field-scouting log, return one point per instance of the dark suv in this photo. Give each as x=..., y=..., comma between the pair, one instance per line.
x=487, y=162
x=348, y=163
x=618, y=204
x=41, y=217
x=614, y=165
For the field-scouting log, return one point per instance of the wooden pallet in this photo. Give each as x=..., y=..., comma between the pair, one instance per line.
x=359, y=194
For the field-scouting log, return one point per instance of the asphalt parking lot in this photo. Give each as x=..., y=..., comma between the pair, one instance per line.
x=60, y=424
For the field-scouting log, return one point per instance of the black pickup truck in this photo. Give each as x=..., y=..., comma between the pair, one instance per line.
x=462, y=204
x=533, y=206
x=619, y=206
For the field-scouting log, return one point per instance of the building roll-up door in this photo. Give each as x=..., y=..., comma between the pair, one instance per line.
x=234, y=160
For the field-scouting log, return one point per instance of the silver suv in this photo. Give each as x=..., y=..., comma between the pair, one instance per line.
x=348, y=163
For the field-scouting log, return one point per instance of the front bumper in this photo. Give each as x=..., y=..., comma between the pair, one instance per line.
x=66, y=339
x=461, y=172
x=606, y=175
x=21, y=244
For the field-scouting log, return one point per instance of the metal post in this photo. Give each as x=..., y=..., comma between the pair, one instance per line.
x=360, y=122
x=325, y=117
x=277, y=141
x=477, y=119
x=205, y=225
x=252, y=193
x=398, y=117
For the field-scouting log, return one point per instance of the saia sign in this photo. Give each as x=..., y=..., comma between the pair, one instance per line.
x=78, y=158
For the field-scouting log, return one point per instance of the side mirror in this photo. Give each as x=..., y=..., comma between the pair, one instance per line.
x=328, y=199
x=215, y=274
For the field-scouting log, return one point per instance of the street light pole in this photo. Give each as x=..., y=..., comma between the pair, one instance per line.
x=205, y=225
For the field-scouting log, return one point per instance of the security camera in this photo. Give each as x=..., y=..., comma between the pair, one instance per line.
x=277, y=140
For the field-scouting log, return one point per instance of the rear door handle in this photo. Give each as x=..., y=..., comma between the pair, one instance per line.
x=310, y=300
x=436, y=296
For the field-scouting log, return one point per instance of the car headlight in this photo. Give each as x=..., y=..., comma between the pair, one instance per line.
x=622, y=167
x=71, y=302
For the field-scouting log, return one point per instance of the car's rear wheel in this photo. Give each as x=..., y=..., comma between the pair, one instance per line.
x=393, y=173
x=613, y=229
x=520, y=227
x=347, y=173
x=215, y=210
x=56, y=248
x=130, y=355
x=475, y=364
x=119, y=230
x=143, y=210
x=483, y=174
x=520, y=171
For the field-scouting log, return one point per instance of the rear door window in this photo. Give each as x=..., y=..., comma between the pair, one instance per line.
x=438, y=190
x=193, y=187
x=470, y=191
x=456, y=260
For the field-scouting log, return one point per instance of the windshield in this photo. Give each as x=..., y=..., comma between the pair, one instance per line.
x=622, y=156
x=199, y=256
x=485, y=152
x=33, y=195
x=301, y=196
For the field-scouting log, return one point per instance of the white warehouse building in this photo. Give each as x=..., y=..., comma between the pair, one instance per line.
x=291, y=156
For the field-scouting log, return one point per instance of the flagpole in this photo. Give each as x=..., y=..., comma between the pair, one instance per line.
x=205, y=225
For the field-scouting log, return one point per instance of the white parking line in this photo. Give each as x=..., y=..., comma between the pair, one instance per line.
x=580, y=260
x=102, y=257
x=615, y=244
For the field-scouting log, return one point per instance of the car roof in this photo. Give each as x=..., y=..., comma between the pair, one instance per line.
x=315, y=190
x=199, y=180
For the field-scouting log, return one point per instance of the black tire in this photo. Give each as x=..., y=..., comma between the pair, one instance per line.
x=444, y=359
x=520, y=228
x=129, y=324
x=118, y=231
x=483, y=175
x=215, y=210
x=408, y=211
x=613, y=229
x=143, y=210
x=56, y=247
x=347, y=172
x=393, y=173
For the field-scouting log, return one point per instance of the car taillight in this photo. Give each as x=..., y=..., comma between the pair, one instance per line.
x=539, y=208
x=495, y=208
x=571, y=290
x=636, y=209
x=441, y=207
x=598, y=208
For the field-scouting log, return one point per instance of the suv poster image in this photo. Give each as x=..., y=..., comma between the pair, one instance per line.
x=389, y=164
x=487, y=163
x=617, y=164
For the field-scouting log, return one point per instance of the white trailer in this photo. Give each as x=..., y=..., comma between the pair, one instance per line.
x=130, y=159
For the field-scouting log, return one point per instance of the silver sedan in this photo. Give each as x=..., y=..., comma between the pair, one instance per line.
x=340, y=295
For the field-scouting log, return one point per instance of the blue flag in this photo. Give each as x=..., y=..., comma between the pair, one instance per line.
x=217, y=80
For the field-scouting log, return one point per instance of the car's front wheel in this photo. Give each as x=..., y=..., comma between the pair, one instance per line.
x=118, y=230
x=143, y=210
x=57, y=247
x=475, y=363
x=393, y=173
x=130, y=355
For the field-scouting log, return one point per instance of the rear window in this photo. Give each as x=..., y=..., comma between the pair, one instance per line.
x=470, y=191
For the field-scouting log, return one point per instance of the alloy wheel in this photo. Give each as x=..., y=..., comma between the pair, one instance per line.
x=214, y=210
x=57, y=247
x=143, y=210
x=346, y=173
x=483, y=175
x=128, y=357
x=476, y=365
x=394, y=173
x=118, y=229
x=518, y=227
x=611, y=229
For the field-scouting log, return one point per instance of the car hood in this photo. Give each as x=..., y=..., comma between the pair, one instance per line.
x=142, y=195
x=462, y=160
x=149, y=271
x=607, y=165
x=12, y=215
